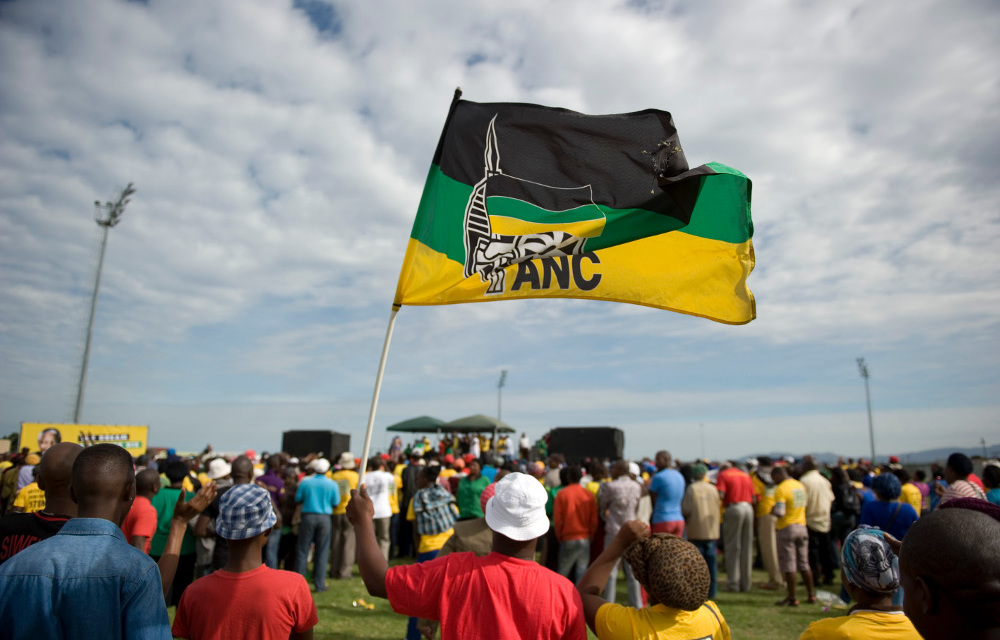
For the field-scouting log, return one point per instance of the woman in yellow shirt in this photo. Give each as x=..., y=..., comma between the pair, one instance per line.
x=675, y=576
x=870, y=573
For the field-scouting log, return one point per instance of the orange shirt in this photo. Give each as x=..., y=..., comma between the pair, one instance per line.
x=574, y=513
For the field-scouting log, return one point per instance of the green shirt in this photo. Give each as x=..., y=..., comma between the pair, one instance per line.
x=468, y=496
x=164, y=501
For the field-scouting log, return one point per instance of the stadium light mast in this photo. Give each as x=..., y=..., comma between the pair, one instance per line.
x=702, y=427
x=863, y=370
x=106, y=216
x=496, y=430
x=500, y=383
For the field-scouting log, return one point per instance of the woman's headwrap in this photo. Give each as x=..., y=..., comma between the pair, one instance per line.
x=869, y=563
x=671, y=569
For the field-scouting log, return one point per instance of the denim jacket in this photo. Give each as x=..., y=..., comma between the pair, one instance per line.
x=84, y=582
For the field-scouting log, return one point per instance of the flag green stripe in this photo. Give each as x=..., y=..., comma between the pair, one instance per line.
x=719, y=192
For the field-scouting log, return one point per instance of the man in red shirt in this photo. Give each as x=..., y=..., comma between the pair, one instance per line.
x=736, y=489
x=574, y=516
x=140, y=523
x=246, y=598
x=505, y=592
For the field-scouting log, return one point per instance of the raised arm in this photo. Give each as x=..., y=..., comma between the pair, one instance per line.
x=371, y=562
x=183, y=511
x=592, y=583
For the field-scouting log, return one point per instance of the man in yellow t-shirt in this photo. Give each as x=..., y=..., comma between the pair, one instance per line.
x=763, y=488
x=342, y=543
x=792, y=536
x=29, y=499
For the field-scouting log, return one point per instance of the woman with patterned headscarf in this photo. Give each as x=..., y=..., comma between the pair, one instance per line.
x=673, y=573
x=870, y=574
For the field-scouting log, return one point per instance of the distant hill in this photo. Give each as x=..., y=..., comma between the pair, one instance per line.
x=926, y=456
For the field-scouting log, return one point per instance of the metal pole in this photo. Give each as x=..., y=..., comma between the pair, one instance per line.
x=702, y=425
x=90, y=328
x=863, y=370
x=496, y=429
x=378, y=389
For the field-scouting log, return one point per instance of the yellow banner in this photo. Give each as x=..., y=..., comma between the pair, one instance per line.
x=39, y=436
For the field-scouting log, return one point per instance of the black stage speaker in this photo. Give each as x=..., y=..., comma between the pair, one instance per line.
x=578, y=443
x=301, y=443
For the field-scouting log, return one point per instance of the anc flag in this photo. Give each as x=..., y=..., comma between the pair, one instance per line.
x=525, y=201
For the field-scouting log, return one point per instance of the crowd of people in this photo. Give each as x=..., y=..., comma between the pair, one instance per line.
x=472, y=542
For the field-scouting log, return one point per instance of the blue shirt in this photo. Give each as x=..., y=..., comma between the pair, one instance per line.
x=668, y=485
x=318, y=494
x=84, y=582
x=885, y=516
x=490, y=472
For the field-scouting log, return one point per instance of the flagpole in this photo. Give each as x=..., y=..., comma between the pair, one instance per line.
x=378, y=389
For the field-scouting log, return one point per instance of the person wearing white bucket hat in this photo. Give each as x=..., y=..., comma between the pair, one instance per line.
x=512, y=595
x=218, y=468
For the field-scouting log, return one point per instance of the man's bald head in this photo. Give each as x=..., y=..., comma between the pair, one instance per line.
x=147, y=482
x=103, y=482
x=56, y=467
x=950, y=565
x=662, y=459
x=242, y=472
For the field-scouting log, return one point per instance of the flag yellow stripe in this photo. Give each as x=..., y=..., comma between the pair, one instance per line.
x=674, y=271
x=505, y=225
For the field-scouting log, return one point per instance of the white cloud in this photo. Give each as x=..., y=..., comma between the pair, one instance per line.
x=278, y=170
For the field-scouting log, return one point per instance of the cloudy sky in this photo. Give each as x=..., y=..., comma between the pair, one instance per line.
x=279, y=149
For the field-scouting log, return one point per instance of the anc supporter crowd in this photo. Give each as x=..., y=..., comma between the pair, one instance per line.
x=468, y=540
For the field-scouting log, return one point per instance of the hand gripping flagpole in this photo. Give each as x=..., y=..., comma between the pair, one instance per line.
x=378, y=389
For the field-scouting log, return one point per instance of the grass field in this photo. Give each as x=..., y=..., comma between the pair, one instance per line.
x=749, y=615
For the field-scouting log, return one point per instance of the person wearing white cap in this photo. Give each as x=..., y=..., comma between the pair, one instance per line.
x=246, y=598
x=505, y=594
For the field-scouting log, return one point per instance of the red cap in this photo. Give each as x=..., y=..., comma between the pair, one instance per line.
x=487, y=493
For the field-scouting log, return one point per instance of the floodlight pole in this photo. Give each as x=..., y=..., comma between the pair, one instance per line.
x=106, y=215
x=702, y=426
x=496, y=429
x=863, y=370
